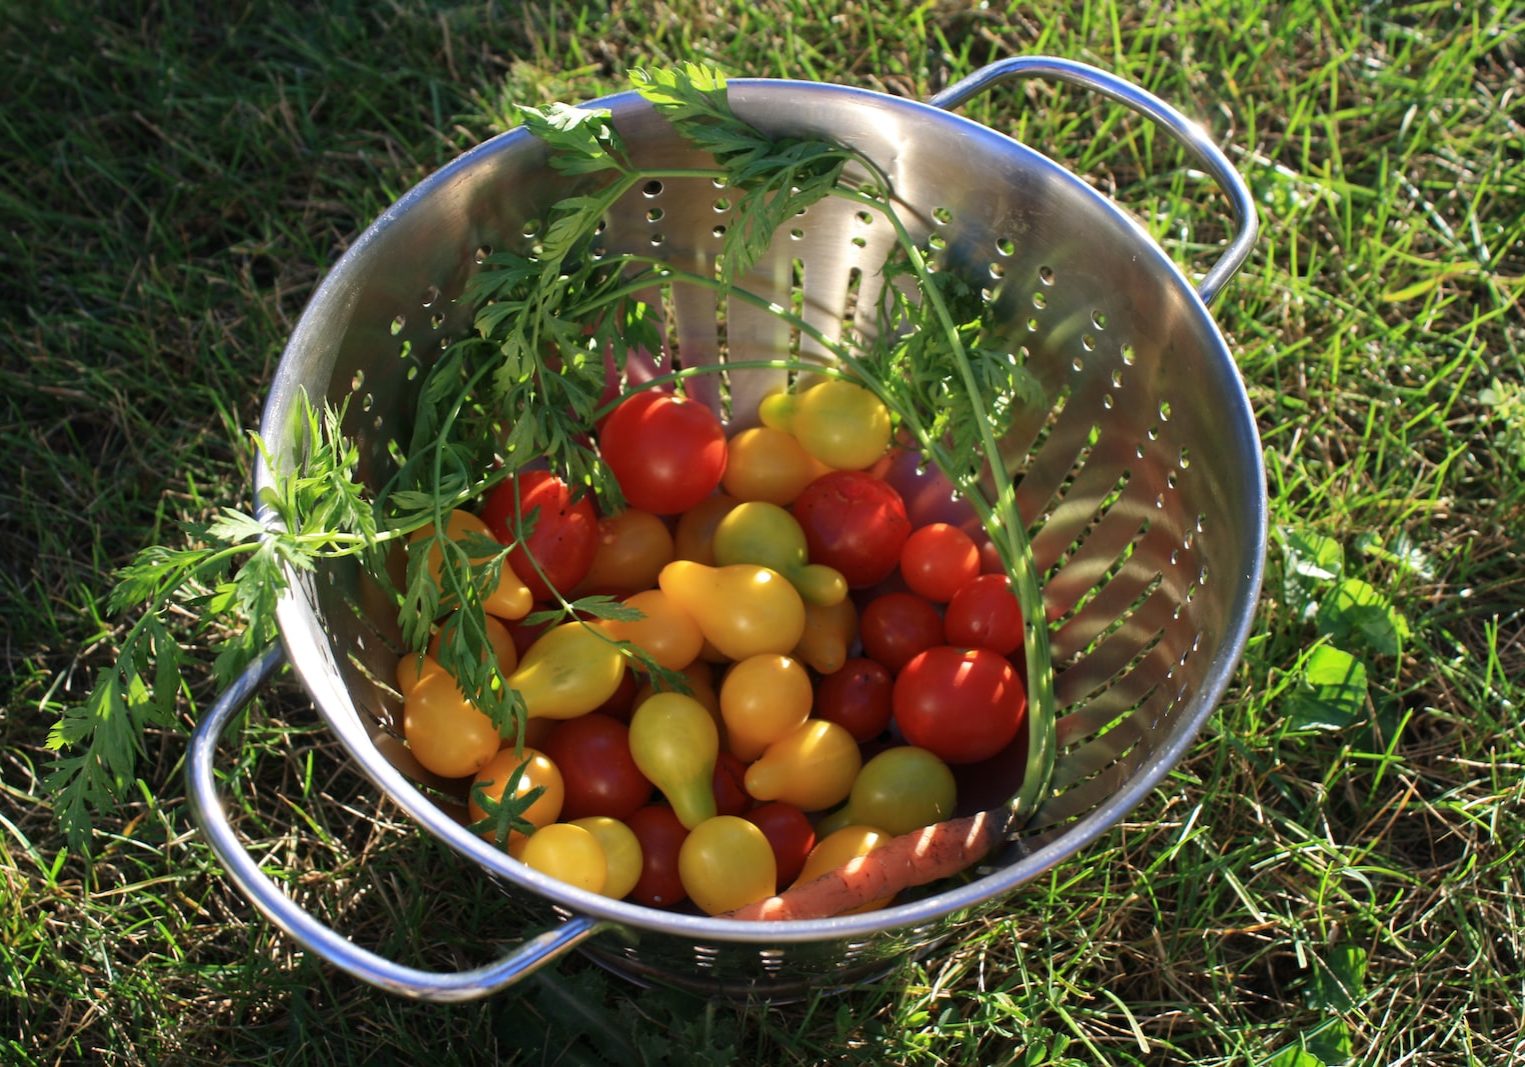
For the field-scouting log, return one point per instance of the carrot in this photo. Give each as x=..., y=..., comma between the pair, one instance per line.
x=916, y=858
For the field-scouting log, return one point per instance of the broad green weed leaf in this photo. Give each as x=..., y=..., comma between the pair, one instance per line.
x=1331, y=691
x=1330, y=1042
x=1357, y=613
x=1311, y=561
x=1338, y=981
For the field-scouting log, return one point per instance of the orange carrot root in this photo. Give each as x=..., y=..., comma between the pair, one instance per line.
x=921, y=856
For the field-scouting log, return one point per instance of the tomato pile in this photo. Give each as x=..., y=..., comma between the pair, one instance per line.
x=841, y=665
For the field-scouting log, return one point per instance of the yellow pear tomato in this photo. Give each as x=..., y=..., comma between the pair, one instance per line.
x=812, y=768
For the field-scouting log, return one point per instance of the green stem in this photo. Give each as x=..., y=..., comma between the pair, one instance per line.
x=1005, y=519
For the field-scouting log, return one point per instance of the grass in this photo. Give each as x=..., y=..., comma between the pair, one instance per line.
x=1325, y=878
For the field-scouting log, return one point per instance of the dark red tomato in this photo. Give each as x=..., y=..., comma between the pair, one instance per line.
x=661, y=836
x=990, y=557
x=621, y=705
x=855, y=523
x=731, y=796
x=937, y=560
x=963, y=705
x=599, y=774
x=789, y=832
x=667, y=452
x=563, y=540
x=857, y=698
x=525, y=635
x=984, y=614
x=897, y=626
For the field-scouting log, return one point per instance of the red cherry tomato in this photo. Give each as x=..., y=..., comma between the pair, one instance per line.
x=661, y=836
x=525, y=635
x=896, y=626
x=984, y=614
x=621, y=705
x=667, y=452
x=857, y=698
x=789, y=832
x=731, y=796
x=855, y=523
x=598, y=773
x=937, y=560
x=563, y=540
x=963, y=705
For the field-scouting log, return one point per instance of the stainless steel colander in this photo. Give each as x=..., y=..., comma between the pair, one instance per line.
x=1142, y=477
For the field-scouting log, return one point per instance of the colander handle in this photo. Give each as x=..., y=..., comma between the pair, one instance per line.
x=441, y=987
x=1191, y=135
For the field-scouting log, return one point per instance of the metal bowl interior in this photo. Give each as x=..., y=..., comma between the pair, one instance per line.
x=1140, y=476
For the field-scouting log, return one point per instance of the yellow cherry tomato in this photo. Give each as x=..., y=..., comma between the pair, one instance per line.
x=445, y=731
x=665, y=632
x=837, y=848
x=569, y=670
x=742, y=609
x=633, y=547
x=812, y=768
x=841, y=424
x=539, y=772
x=762, y=699
x=769, y=465
x=569, y=852
x=726, y=863
x=622, y=853
x=675, y=745
x=510, y=598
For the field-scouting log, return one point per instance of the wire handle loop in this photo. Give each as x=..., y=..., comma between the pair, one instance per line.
x=280, y=909
x=1190, y=134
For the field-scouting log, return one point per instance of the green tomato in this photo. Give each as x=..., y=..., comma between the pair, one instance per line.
x=899, y=790
x=766, y=535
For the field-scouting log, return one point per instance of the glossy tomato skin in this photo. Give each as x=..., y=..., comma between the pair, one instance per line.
x=789, y=831
x=984, y=614
x=622, y=704
x=963, y=705
x=857, y=698
x=598, y=773
x=667, y=452
x=896, y=627
x=661, y=836
x=565, y=535
x=855, y=523
x=633, y=547
x=937, y=560
x=727, y=863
